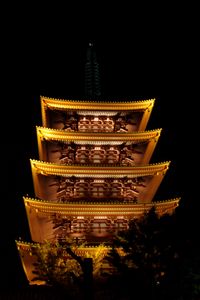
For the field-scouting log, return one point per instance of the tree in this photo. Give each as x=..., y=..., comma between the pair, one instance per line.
x=147, y=252
x=59, y=265
x=56, y=268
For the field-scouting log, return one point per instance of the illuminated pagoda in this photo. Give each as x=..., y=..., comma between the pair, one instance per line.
x=94, y=173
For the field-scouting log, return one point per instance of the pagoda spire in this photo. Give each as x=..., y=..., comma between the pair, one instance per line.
x=92, y=74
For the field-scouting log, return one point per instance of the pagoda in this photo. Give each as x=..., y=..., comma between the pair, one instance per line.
x=94, y=173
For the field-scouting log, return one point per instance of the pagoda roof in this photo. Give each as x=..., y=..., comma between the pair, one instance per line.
x=93, y=209
x=112, y=105
x=91, y=106
x=62, y=135
x=46, y=178
x=47, y=168
x=28, y=246
x=45, y=135
x=40, y=213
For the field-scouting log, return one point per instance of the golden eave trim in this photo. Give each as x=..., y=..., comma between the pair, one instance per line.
x=37, y=203
x=87, y=209
x=62, y=135
x=27, y=246
x=47, y=168
x=54, y=103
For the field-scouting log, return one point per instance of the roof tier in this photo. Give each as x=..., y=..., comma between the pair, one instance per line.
x=60, y=146
x=53, y=221
x=73, y=115
x=63, y=183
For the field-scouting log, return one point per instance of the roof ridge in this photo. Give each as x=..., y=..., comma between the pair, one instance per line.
x=95, y=101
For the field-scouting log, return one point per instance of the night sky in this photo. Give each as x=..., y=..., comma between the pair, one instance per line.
x=157, y=61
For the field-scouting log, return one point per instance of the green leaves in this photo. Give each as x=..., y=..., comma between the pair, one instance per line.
x=54, y=265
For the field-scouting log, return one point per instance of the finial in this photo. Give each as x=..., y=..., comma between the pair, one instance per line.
x=92, y=76
x=91, y=44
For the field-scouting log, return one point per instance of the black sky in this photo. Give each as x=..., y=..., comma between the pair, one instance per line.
x=138, y=60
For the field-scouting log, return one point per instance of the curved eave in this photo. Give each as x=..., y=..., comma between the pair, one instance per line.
x=60, y=104
x=77, y=209
x=62, y=135
x=45, y=168
x=28, y=246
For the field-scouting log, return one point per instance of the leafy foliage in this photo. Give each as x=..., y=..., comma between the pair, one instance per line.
x=190, y=273
x=97, y=259
x=155, y=258
x=54, y=265
x=147, y=252
x=59, y=265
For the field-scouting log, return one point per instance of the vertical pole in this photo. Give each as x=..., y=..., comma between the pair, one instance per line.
x=88, y=279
